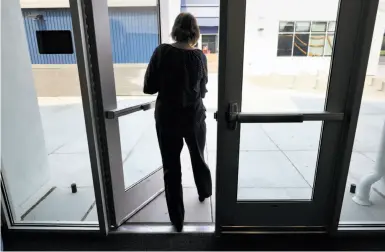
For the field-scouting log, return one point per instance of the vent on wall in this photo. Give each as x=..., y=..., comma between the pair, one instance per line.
x=36, y=16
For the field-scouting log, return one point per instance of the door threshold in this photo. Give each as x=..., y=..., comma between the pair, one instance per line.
x=145, y=228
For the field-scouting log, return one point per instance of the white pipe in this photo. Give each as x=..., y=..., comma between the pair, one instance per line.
x=363, y=188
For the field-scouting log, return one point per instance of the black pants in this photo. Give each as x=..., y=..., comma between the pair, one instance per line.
x=170, y=137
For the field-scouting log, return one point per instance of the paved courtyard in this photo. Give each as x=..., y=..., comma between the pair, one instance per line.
x=277, y=161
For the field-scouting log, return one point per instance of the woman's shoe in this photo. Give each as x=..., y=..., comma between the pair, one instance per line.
x=178, y=227
x=201, y=198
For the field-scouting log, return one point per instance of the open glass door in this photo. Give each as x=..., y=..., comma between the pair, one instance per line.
x=138, y=178
x=132, y=166
x=284, y=70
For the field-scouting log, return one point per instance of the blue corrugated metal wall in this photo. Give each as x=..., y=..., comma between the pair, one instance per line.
x=55, y=19
x=134, y=33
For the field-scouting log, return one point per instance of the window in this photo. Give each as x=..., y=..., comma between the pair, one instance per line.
x=301, y=38
x=209, y=42
x=305, y=38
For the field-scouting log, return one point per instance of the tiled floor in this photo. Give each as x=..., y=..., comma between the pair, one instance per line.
x=277, y=161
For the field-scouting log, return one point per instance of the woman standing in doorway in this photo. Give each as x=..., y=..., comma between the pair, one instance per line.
x=178, y=73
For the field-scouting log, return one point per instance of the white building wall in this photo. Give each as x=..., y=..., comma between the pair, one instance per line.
x=261, y=46
x=24, y=159
x=169, y=10
x=203, y=11
x=378, y=36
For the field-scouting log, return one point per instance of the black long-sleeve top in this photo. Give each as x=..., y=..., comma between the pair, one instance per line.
x=179, y=76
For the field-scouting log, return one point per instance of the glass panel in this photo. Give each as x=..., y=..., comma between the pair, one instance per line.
x=44, y=148
x=302, y=26
x=285, y=45
x=138, y=139
x=134, y=36
x=278, y=161
x=329, y=45
x=332, y=26
x=286, y=26
x=300, y=44
x=318, y=26
x=316, y=45
x=366, y=207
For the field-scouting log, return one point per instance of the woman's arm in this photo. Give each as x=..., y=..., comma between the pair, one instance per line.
x=204, y=79
x=151, y=76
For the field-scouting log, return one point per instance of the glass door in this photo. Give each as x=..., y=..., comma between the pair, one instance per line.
x=283, y=85
x=132, y=167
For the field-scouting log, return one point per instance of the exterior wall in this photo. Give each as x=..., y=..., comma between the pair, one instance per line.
x=62, y=80
x=24, y=160
x=169, y=10
x=200, y=2
x=209, y=29
x=378, y=37
x=65, y=3
x=206, y=12
x=261, y=46
x=54, y=19
x=203, y=11
x=134, y=33
x=207, y=15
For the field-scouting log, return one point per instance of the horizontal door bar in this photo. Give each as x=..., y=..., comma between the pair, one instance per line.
x=284, y=117
x=323, y=116
x=112, y=114
x=268, y=118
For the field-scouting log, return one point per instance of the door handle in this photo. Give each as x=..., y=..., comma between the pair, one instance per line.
x=112, y=114
x=234, y=117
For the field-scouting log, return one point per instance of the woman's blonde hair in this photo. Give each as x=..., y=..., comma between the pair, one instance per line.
x=185, y=29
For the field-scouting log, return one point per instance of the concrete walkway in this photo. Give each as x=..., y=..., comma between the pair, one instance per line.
x=277, y=161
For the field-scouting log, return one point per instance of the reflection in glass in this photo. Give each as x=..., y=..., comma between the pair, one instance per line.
x=316, y=45
x=318, y=26
x=329, y=45
x=286, y=26
x=302, y=26
x=285, y=45
x=301, y=44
